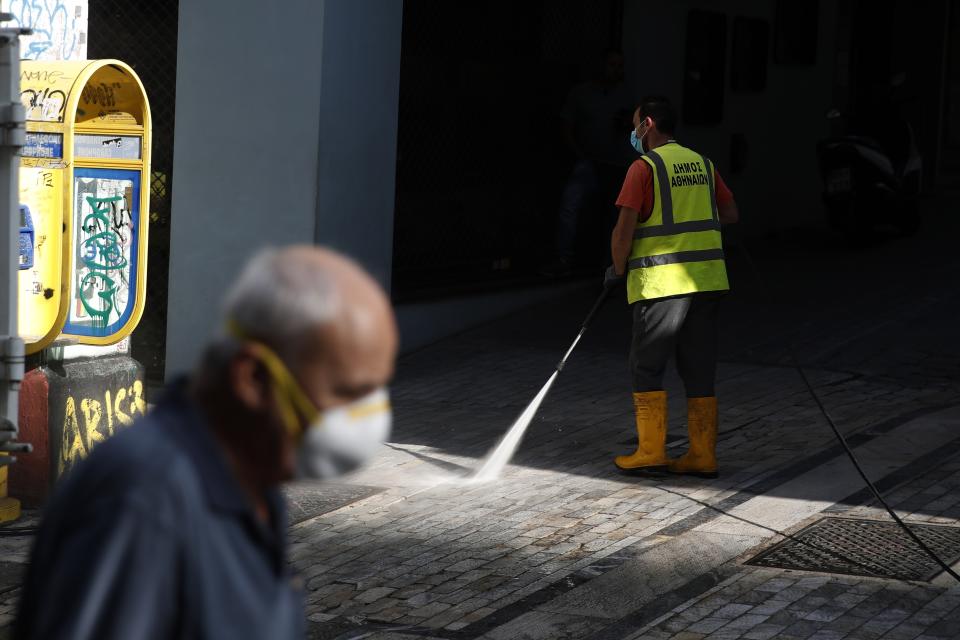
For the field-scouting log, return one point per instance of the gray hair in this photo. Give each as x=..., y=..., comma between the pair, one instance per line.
x=278, y=298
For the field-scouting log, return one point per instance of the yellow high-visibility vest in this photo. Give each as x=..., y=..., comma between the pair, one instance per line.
x=678, y=250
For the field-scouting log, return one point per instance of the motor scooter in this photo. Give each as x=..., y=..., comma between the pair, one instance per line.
x=872, y=175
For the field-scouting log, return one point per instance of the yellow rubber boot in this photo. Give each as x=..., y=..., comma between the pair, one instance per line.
x=651, y=453
x=701, y=459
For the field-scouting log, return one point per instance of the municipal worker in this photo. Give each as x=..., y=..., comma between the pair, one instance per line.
x=175, y=527
x=667, y=244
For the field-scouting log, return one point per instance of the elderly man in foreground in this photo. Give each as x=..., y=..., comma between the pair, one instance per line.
x=175, y=528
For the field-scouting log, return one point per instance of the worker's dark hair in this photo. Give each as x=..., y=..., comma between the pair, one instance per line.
x=612, y=51
x=661, y=111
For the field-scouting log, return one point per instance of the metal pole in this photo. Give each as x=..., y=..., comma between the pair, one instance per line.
x=12, y=138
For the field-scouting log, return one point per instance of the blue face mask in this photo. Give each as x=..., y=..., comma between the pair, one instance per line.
x=637, y=143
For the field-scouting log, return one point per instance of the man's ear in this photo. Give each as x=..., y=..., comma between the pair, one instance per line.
x=249, y=380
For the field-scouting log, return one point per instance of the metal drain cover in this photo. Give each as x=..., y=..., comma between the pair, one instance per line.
x=864, y=548
x=307, y=500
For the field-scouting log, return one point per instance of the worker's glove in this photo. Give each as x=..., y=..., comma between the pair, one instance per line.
x=611, y=279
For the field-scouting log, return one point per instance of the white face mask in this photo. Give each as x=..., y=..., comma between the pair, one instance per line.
x=342, y=439
x=336, y=441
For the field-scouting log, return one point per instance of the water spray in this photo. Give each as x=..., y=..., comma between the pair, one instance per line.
x=500, y=455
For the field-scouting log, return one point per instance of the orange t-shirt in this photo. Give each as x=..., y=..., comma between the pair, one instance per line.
x=637, y=191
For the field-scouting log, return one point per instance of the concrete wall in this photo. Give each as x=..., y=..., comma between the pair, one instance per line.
x=780, y=185
x=286, y=130
x=358, y=130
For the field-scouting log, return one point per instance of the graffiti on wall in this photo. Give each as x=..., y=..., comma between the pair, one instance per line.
x=106, y=236
x=88, y=421
x=59, y=28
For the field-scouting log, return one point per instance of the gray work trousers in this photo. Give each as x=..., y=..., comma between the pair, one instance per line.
x=684, y=326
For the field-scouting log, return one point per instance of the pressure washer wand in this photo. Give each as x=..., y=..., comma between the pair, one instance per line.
x=500, y=455
x=585, y=325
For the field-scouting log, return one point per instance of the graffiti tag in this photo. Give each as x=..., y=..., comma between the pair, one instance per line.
x=48, y=76
x=59, y=28
x=48, y=104
x=102, y=94
x=93, y=420
x=103, y=256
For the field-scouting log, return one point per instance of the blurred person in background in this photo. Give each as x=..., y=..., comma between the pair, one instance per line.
x=596, y=124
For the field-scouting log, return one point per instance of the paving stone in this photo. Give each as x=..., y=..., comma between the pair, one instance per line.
x=677, y=624
x=422, y=599
x=745, y=622
x=726, y=634
x=770, y=607
x=764, y=631
x=826, y=614
x=372, y=595
x=731, y=611
x=470, y=618
x=845, y=623
x=430, y=610
x=905, y=631
x=945, y=628
x=786, y=617
x=707, y=625
x=802, y=628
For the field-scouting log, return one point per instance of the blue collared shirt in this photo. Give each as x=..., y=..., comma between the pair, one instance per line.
x=152, y=537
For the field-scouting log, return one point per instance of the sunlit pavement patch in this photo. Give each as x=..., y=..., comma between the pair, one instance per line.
x=571, y=594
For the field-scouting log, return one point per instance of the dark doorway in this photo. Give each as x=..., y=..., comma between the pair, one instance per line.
x=704, y=67
x=481, y=161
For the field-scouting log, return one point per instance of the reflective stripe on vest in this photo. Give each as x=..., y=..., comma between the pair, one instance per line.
x=679, y=249
x=676, y=258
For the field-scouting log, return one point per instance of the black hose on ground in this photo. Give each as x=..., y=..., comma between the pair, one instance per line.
x=836, y=431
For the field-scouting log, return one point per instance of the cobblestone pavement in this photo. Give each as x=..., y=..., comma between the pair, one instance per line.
x=760, y=603
x=562, y=546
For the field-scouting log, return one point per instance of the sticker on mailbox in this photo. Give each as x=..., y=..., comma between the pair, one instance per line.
x=106, y=147
x=42, y=145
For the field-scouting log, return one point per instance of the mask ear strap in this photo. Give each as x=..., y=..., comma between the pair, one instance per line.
x=286, y=380
x=289, y=415
x=643, y=123
x=285, y=387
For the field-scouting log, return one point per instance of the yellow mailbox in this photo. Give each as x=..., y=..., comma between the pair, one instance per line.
x=84, y=196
